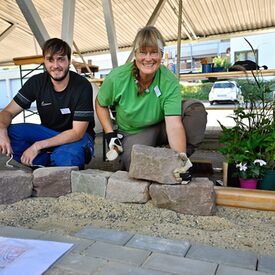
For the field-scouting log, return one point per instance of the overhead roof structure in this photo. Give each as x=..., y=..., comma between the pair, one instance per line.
x=201, y=20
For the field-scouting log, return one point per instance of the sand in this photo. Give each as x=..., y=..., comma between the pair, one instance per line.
x=235, y=228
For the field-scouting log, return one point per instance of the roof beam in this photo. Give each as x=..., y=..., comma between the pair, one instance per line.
x=7, y=31
x=32, y=17
x=68, y=21
x=152, y=20
x=111, y=32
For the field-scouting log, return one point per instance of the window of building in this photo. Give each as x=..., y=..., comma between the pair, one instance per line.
x=246, y=55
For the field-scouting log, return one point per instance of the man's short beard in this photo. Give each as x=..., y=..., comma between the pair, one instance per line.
x=60, y=78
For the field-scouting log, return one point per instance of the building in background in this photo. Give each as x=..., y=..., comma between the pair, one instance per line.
x=191, y=56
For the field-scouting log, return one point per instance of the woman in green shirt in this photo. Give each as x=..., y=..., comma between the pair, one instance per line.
x=147, y=101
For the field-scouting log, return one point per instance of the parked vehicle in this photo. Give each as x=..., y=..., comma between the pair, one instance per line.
x=225, y=91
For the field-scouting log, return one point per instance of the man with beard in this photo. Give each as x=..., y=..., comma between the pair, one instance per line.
x=63, y=98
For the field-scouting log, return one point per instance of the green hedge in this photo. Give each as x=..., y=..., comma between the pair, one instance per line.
x=197, y=91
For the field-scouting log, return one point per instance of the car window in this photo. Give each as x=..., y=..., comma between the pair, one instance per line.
x=224, y=85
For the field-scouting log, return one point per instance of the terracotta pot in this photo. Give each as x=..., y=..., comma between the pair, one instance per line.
x=248, y=183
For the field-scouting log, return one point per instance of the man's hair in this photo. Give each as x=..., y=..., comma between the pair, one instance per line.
x=56, y=46
x=149, y=36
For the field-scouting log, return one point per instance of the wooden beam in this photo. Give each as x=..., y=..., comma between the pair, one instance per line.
x=245, y=198
x=234, y=74
x=34, y=59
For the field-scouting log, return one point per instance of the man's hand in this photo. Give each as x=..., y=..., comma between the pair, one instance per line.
x=114, y=144
x=5, y=145
x=29, y=155
x=186, y=165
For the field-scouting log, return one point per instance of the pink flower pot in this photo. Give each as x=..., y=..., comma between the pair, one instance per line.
x=248, y=183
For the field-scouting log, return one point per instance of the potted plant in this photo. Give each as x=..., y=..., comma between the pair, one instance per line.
x=249, y=144
x=220, y=63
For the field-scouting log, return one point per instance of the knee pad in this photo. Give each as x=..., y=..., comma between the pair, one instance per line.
x=194, y=120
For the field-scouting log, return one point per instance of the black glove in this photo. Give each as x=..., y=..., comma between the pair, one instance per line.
x=114, y=143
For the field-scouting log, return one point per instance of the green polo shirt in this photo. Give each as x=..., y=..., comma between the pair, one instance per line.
x=135, y=113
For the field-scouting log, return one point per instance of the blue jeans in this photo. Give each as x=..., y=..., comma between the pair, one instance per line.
x=23, y=135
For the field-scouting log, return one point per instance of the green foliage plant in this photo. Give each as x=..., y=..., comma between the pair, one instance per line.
x=253, y=135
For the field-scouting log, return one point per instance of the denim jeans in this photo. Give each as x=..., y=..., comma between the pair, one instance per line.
x=23, y=135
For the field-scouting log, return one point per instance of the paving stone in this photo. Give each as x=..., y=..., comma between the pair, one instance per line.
x=122, y=188
x=19, y=232
x=83, y=263
x=125, y=269
x=154, y=164
x=223, y=256
x=172, y=247
x=106, y=235
x=52, y=181
x=61, y=271
x=79, y=244
x=231, y=270
x=118, y=253
x=15, y=185
x=179, y=265
x=266, y=264
x=195, y=198
x=92, y=181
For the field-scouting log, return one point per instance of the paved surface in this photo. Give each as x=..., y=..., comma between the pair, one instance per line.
x=106, y=251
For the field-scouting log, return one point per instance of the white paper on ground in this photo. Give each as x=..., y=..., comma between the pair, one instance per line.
x=22, y=256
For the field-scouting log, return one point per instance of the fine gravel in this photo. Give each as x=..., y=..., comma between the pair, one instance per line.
x=244, y=229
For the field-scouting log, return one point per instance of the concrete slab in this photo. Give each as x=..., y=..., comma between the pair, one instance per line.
x=229, y=270
x=172, y=247
x=106, y=235
x=19, y=232
x=223, y=256
x=266, y=264
x=124, y=269
x=179, y=265
x=117, y=253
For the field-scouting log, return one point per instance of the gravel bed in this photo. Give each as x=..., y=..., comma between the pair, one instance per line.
x=244, y=229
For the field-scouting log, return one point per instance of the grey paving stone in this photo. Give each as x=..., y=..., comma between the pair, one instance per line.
x=79, y=263
x=60, y=271
x=231, y=270
x=117, y=253
x=19, y=232
x=106, y=235
x=172, y=247
x=266, y=264
x=223, y=256
x=179, y=265
x=79, y=244
x=123, y=269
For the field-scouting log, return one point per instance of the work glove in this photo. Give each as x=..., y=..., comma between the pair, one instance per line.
x=182, y=174
x=115, y=146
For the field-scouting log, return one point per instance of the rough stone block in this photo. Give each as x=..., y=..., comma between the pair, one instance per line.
x=121, y=188
x=92, y=181
x=15, y=185
x=154, y=164
x=195, y=198
x=52, y=181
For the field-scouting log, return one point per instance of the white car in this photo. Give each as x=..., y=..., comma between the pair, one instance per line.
x=225, y=91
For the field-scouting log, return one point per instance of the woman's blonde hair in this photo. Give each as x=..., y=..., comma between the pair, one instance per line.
x=150, y=37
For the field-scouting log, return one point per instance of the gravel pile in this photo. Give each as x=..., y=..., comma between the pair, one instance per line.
x=235, y=228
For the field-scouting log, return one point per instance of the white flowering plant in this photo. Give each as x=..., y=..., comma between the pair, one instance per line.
x=252, y=170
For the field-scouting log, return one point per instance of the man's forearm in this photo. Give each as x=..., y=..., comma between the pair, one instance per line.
x=5, y=119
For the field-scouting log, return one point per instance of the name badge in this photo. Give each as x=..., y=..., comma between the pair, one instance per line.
x=157, y=91
x=65, y=111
